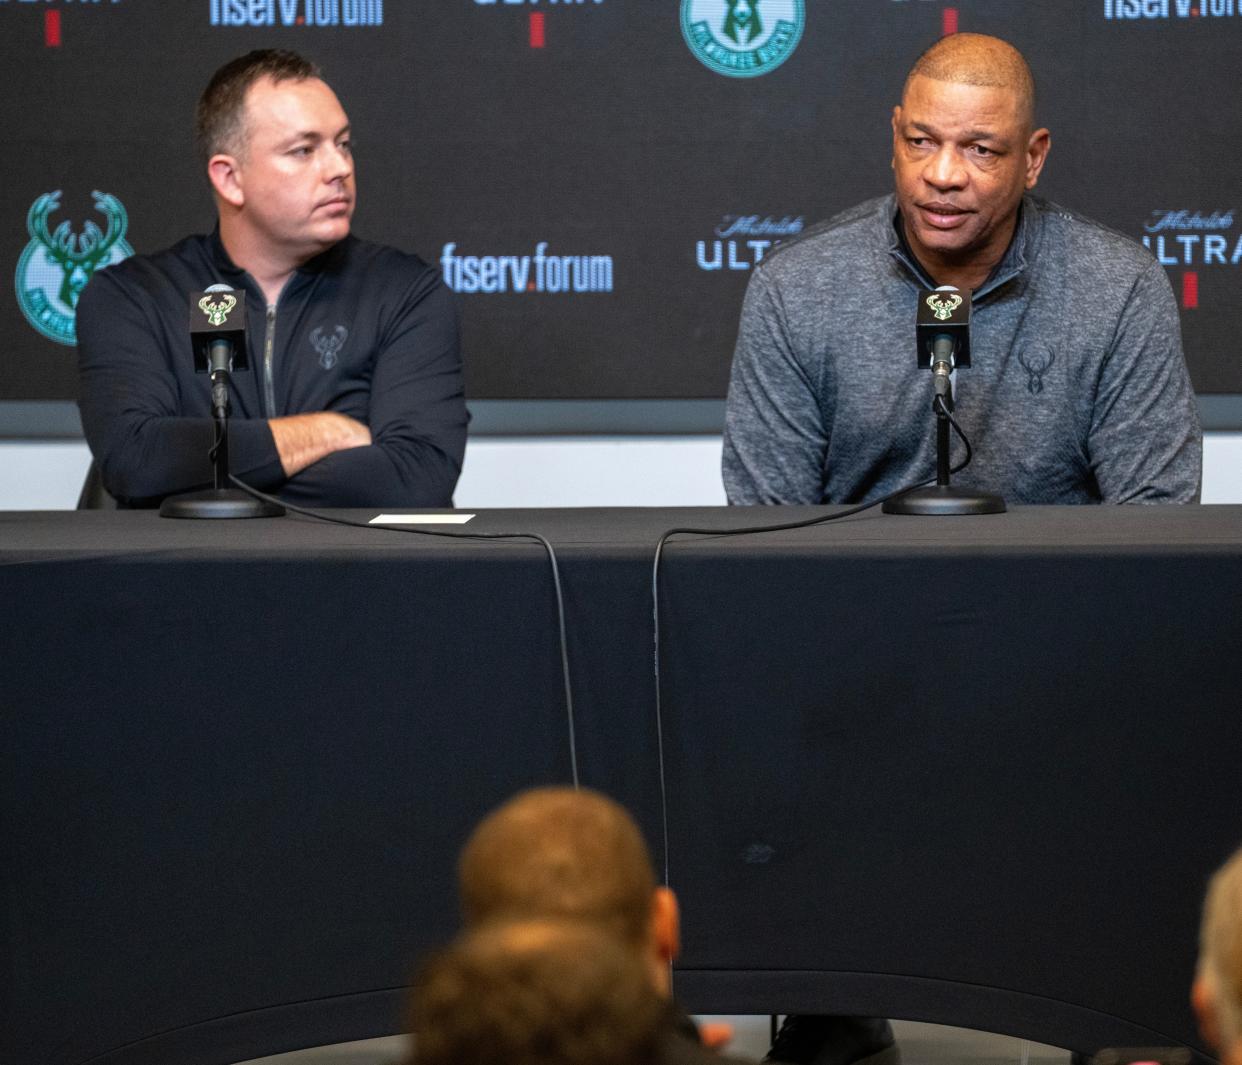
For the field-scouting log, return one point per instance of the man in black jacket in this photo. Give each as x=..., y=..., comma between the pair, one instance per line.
x=356, y=394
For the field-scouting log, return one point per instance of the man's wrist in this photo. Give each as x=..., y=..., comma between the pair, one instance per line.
x=303, y=439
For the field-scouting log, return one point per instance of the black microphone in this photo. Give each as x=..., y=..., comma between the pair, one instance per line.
x=218, y=342
x=942, y=328
x=218, y=333
x=942, y=325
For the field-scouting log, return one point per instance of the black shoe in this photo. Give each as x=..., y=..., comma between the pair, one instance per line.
x=805, y=1039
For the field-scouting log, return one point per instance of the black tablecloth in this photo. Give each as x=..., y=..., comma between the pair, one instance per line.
x=967, y=770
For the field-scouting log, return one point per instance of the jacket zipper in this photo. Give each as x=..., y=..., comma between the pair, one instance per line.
x=269, y=342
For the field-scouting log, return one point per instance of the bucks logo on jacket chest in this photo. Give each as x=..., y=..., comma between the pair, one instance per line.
x=328, y=344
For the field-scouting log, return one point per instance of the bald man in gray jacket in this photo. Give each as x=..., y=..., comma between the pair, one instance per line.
x=1077, y=391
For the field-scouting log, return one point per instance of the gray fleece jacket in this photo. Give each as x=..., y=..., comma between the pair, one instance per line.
x=1077, y=390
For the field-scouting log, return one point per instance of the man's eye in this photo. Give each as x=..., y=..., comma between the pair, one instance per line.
x=981, y=151
x=301, y=150
x=918, y=142
x=345, y=146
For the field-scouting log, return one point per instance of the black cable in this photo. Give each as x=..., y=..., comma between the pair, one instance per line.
x=215, y=445
x=542, y=541
x=938, y=406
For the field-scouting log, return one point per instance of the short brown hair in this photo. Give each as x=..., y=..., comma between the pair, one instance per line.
x=535, y=993
x=557, y=852
x=220, y=118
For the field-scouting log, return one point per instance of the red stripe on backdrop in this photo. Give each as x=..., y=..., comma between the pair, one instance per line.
x=1190, y=290
x=51, y=29
x=536, y=29
x=949, y=21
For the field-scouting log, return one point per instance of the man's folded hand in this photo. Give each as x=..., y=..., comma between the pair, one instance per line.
x=303, y=439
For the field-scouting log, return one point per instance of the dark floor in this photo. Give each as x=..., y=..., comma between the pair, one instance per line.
x=921, y=1044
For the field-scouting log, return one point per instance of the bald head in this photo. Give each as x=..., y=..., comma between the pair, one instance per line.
x=556, y=852
x=977, y=59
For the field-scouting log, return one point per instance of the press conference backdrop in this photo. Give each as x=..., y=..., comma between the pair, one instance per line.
x=598, y=178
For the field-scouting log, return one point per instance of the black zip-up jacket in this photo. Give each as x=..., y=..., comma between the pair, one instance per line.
x=363, y=329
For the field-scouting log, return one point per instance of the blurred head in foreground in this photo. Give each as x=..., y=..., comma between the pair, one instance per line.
x=1217, y=992
x=561, y=853
x=545, y=992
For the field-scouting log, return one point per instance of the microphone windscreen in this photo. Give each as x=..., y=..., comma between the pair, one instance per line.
x=943, y=312
x=218, y=313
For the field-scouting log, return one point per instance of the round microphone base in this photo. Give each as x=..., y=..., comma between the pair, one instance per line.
x=218, y=503
x=945, y=499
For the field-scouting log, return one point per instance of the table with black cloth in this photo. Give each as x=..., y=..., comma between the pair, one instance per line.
x=965, y=770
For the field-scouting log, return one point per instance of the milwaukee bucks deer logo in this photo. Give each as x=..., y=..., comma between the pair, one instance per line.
x=328, y=344
x=217, y=311
x=742, y=38
x=742, y=24
x=57, y=263
x=1036, y=363
x=943, y=307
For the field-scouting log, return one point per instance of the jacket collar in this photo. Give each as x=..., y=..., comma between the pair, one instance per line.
x=1012, y=264
x=321, y=263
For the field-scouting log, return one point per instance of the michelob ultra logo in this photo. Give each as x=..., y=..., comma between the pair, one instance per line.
x=742, y=38
x=743, y=240
x=56, y=265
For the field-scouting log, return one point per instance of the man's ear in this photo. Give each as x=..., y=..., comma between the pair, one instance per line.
x=1037, y=149
x=1203, y=999
x=225, y=176
x=665, y=924
x=896, y=125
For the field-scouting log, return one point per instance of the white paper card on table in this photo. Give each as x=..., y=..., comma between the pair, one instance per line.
x=420, y=519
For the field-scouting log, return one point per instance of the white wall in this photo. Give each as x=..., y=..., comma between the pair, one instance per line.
x=590, y=471
x=598, y=471
x=41, y=475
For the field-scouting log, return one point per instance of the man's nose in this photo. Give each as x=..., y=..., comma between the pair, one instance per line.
x=944, y=170
x=338, y=165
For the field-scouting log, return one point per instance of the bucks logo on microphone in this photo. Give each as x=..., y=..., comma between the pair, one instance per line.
x=742, y=38
x=217, y=311
x=944, y=306
x=56, y=265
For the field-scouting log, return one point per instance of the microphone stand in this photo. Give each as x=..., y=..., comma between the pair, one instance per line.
x=219, y=501
x=943, y=498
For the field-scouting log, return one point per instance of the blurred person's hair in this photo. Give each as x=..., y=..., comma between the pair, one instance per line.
x=535, y=993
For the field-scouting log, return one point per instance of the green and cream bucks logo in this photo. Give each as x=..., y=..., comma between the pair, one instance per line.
x=943, y=308
x=742, y=38
x=217, y=313
x=56, y=265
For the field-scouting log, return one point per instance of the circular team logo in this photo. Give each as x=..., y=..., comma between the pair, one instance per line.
x=57, y=263
x=742, y=38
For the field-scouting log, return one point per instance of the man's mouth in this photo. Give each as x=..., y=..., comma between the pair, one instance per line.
x=943, y=215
